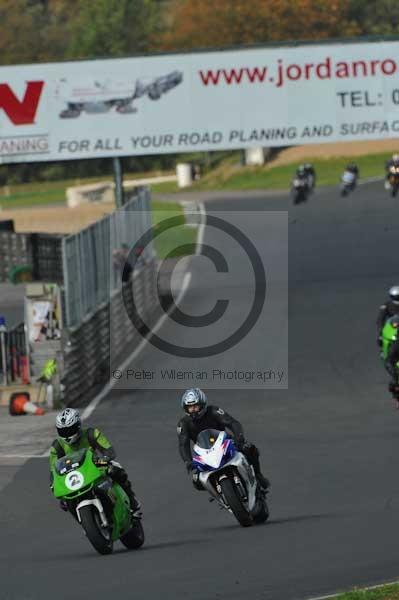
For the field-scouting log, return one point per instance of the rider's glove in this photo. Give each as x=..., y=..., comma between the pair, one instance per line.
x=188, y=467
x=379, y=341
x=64, y=505
x=240, y=442
x=101, y=461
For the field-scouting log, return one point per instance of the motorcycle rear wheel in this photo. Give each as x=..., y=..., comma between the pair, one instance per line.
x=234, y=501
x=99, y=538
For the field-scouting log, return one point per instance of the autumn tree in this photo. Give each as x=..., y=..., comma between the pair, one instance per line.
x=218, y=23
x=20, y=38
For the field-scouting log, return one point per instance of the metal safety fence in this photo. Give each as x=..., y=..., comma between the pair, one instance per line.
x=93, y=257
x=104, y=301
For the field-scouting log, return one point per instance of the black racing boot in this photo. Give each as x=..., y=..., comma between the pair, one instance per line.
x=394, y=389
x=135, y=505
x=263, y=481
x=135, y=508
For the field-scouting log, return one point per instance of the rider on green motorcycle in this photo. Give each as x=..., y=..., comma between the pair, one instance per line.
x=390, y=352
x=71, y=437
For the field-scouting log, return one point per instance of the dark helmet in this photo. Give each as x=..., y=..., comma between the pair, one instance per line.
x=194, y=403
x=69, y=425
x=351, y=166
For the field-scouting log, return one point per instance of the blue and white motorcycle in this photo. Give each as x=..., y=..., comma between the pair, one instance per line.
x=226, y=474
x=348, y=182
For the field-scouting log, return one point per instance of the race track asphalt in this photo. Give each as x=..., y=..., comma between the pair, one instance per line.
x=329, y=443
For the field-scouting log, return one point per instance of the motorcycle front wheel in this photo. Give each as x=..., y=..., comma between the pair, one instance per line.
x=99, y=537
x=232, y=498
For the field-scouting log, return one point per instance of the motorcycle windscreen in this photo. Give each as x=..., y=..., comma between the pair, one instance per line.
x=207, y=438
x=348, y=177
x=70, y=462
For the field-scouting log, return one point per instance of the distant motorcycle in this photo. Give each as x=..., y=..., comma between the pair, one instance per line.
x=393, y=179
x=300, y=189
x=226, y=474
x=348, y=182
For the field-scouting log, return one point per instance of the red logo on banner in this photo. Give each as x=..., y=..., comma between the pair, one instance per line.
x=21, y=112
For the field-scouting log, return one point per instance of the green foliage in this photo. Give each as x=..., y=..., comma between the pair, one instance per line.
x=112, y=28
x=375, y=17
x=51, y=30
x=386, y=592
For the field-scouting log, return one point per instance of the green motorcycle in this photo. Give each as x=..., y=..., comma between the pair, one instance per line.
x=99, y=504
x=389, y=334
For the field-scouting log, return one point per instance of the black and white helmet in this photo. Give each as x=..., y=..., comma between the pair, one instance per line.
x=194, y=403
x=394, y=294
x=69, y=425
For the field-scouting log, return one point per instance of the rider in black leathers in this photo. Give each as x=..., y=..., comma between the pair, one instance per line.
x=199, y=416
x=392, y=162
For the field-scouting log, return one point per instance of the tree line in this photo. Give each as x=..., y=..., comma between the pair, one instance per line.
x=34, y=31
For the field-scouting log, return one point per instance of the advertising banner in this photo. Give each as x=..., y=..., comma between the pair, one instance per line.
x=198, y=102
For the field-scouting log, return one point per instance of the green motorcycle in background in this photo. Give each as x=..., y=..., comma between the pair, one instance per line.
x=388, y=335
x=99, y=504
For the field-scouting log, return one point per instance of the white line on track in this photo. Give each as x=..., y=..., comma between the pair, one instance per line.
x=370, y=180
x=371, y=587
x=201, y=228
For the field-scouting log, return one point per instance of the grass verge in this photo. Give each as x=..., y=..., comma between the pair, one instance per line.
x=328, y=172
x=52, y=192
x=385, y=592
x=171, y=239
x=228, y=175
x=235, y=177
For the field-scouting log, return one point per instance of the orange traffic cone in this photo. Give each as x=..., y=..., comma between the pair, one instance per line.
x=20, y=404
